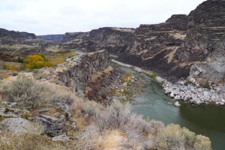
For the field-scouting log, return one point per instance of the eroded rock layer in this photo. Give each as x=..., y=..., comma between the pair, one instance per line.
x=169, y=48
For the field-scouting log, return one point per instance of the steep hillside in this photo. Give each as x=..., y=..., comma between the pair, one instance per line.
x=21, y=43
x=149, y=46
x=205, y=40
x=169, y=48
x=57, y=38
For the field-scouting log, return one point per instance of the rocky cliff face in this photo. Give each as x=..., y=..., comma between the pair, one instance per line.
x=114, y=40
x=16, y=35
x=76, y=72
x=205, y=40
x=21, y=43
x=169, y=48
x=57, y=38
x=149, y=46
x=77, y=75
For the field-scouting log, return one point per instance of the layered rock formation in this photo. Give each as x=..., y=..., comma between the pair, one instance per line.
x=57, y=38
x=149, y=46
x=76, y=72
x=205, y=40
x=77, y=75
x=16, y=35
x=169, y=48
x=21, y=43
x=114, y=40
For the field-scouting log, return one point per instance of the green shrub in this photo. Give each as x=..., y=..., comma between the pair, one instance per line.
x=132, y=67
x=20, y=60
x=153, y=75
x=205, y=85
x=186, y=82
x=25, y=91
x=202, y=143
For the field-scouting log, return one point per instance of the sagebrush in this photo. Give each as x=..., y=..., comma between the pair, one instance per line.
x=25, y=91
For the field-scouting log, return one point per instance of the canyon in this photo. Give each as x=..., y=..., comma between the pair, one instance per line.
x=185, y=54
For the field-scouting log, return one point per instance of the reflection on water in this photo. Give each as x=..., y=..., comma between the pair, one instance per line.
x=207, y=120
x=206, y=116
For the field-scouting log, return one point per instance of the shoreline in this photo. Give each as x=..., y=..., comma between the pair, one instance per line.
x=187, y=93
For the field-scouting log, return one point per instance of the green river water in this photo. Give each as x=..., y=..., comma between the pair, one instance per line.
x=208, y=120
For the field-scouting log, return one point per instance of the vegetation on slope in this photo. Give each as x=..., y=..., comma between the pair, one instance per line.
x=99, y=127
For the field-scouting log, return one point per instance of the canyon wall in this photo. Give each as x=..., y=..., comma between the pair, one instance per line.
x=16, y=35
x=170, y=48
x=77, y=74
x=14, y=43
x=204, y=44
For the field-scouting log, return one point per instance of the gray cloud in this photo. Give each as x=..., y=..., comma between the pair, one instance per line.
x=57, y=16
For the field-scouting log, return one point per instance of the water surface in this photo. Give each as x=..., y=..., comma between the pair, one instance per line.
x=208, y=120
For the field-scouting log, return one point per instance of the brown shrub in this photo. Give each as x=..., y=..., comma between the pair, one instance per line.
x=25, y=91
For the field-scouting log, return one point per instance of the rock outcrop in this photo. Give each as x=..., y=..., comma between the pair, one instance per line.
x=57, y=38
x=205, y=40
x=16, y=35
x=149, y=46
x=52, y=126
x=21, y=43
x=114, y=40
x=75, y=73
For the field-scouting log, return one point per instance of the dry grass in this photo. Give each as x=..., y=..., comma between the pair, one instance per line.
x=55, y=61
x=108, y=70
x=111, y=140
x=116, y=127
x=9, y=141
x=97, y=75
x=60, y=56
x=17, y=46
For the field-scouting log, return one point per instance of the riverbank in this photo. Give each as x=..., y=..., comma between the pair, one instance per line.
x=194, y=94
x=186, y=90
x=155, y=104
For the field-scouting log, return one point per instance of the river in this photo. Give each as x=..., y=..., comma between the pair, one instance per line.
x=208, y=120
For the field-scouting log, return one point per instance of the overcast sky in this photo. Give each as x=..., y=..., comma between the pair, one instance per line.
x=60, y=16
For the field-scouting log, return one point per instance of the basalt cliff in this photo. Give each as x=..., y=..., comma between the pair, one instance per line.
x=182, y=46
x=14, y=43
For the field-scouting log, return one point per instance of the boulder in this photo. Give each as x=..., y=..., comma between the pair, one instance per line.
x=62, y=138
x=52, y=126
x=177, y=104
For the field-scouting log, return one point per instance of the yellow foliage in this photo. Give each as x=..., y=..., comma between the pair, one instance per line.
x=34, y=58
x=127, y=77
x=36, y=61
x=12, y=67
x=6, y=76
